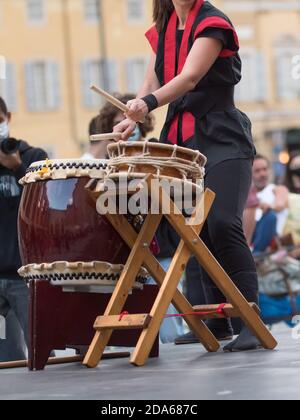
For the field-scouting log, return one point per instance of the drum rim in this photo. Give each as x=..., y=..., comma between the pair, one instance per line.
x=48, y=272
x=72, y=160
x=84, y=169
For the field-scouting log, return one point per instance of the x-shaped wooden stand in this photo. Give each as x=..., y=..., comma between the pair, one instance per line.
x=140, y=255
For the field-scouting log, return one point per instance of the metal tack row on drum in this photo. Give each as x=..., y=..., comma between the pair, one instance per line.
x=62, y=237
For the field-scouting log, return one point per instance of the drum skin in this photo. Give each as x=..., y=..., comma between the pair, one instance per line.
x=58, y=222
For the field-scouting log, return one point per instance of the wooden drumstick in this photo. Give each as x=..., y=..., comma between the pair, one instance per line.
x=114, y=101
x=106, y=136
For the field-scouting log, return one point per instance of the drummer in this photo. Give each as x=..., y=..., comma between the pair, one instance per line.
x=108, y=117
x=194, y=67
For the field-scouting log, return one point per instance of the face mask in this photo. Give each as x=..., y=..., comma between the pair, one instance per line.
x=4, y=130
x=136, y=135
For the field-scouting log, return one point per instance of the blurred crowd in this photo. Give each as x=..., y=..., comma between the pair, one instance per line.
x=272, y=217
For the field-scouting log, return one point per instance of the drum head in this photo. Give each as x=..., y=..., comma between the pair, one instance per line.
x=65, y=168
x=160, y=160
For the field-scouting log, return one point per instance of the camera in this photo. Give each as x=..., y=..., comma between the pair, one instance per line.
x=9, y=146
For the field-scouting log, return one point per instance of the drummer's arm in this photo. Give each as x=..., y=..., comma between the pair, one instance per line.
x=201, y=58
x=203, y=55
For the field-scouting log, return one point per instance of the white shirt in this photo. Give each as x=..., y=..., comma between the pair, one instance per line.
x=267, y=195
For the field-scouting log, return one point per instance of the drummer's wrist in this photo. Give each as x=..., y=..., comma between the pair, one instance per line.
x=151, y=102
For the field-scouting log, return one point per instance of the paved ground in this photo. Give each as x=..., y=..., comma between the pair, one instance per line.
x=183, y=372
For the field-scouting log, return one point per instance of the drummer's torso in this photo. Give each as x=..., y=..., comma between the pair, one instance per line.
x=207, y=119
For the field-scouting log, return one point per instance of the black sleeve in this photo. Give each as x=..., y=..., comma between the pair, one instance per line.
x=37, y=155
x=34, y=155
x=226, y=36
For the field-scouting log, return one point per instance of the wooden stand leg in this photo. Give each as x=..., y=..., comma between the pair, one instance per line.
x=181, y=304
x=125, y=283
x=164, y=298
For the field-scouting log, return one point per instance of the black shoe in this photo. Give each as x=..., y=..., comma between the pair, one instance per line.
x=188, y=338
x=244, y=342
x=220, y=328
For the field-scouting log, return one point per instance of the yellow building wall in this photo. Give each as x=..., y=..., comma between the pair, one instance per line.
x=67, y=38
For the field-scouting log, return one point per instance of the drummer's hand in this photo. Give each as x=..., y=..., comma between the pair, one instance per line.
x=12, y=162
x=126, y=127
x=138, y=110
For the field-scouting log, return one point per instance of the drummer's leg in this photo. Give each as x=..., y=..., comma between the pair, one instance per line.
x=221, y=328
x=231, y=182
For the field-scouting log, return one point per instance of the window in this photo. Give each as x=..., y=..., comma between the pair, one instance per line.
x=135, y=72
x=288, y=87
x=42, y=86
x=136, y=11
x=8, y=88
x=103, y=73
x=91, y=10
x=35, y=11
x=253, y=86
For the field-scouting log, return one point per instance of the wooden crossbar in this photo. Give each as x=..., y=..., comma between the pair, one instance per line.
x=211, y=311
x=126, y=322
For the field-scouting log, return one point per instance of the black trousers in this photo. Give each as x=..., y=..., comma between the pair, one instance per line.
x=224, y=236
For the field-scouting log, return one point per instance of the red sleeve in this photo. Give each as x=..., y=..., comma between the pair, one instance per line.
x=152, y=36
x=231, y=44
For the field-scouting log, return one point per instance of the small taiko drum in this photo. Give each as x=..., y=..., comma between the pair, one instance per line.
x=62, y=237
x=137, y=159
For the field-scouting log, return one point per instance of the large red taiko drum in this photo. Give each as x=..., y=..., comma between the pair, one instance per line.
x=62, y=237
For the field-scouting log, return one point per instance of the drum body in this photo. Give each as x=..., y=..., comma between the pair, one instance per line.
x=62, y=238
x=58, y=222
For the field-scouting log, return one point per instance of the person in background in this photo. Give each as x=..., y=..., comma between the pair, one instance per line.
x=108, y=117
x=13, y=290
x=13, y=346
x=292, y=182
x=249, y=221
x=97, y=150
x=272, y=210
x=168, y=241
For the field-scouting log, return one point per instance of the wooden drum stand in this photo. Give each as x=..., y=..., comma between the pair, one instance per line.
x=191, y=244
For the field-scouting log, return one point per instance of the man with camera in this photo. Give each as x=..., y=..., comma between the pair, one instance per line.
x=15, y=157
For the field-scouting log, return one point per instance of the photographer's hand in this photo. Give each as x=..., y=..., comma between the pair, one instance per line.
x=12, y=162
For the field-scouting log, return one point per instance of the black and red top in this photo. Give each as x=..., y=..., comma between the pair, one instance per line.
x=206, y=118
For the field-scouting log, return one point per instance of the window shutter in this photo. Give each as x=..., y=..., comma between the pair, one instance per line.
x=29, y=87
x=8, y=87
x=261, y=77
x=53, y=85
x=135, y=72
x=111, y=68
